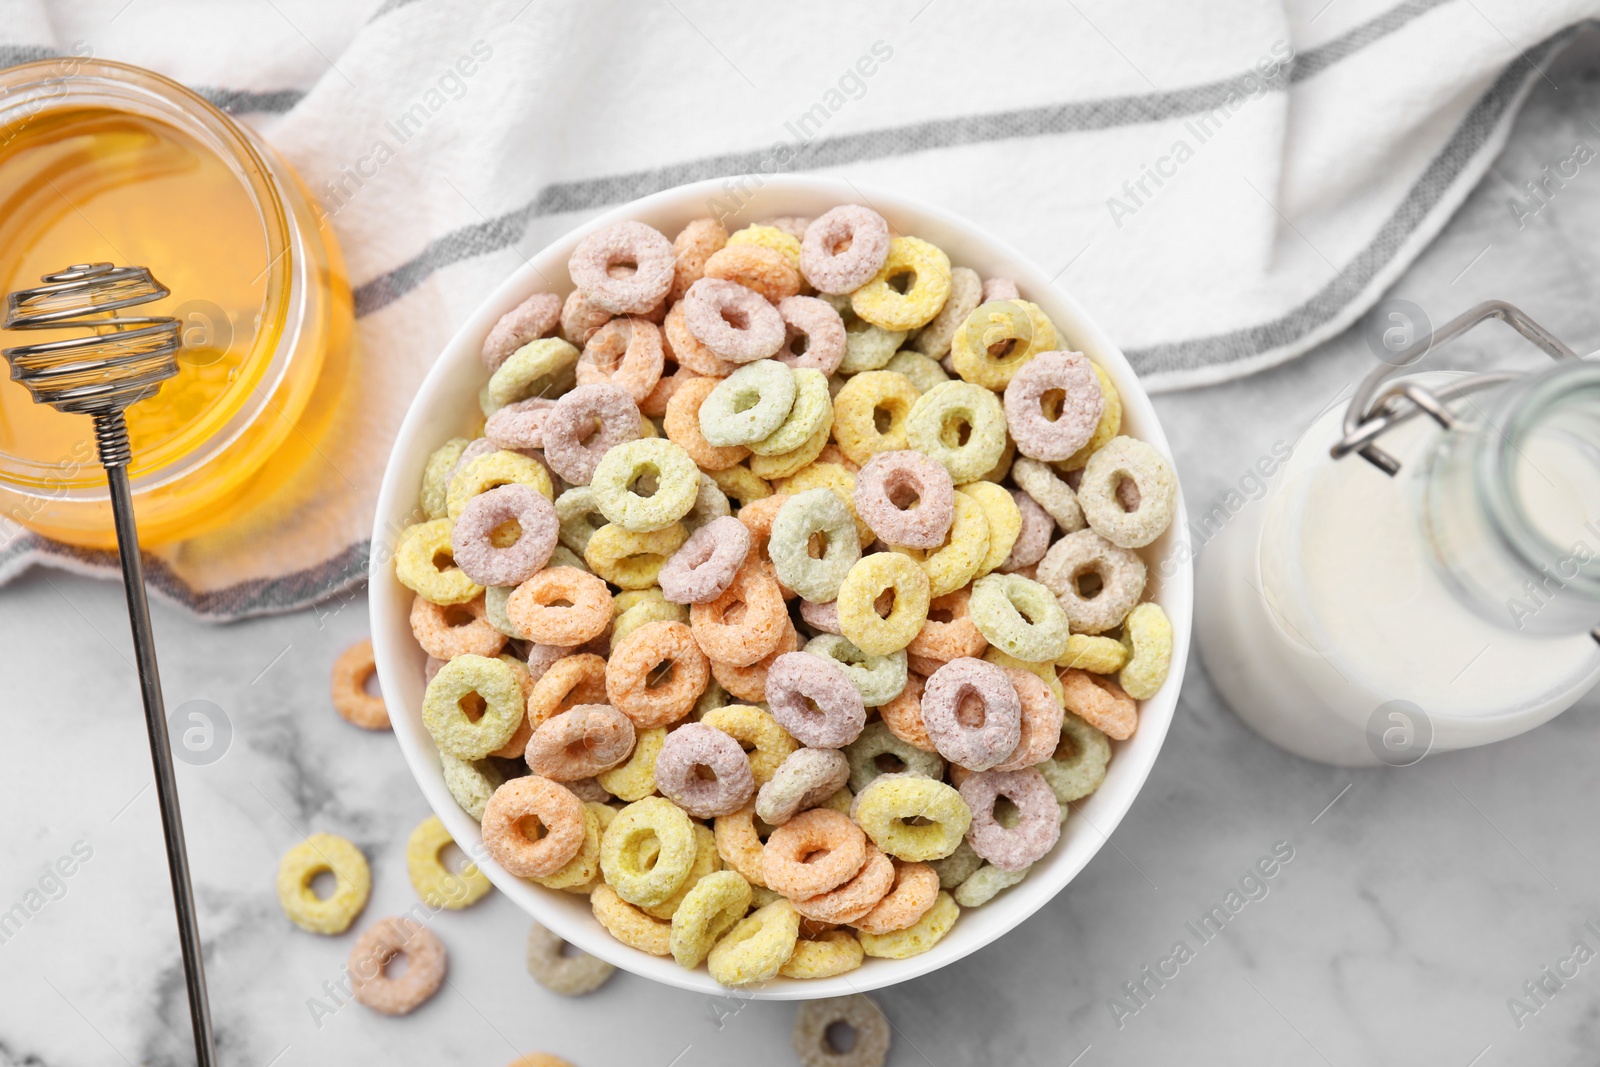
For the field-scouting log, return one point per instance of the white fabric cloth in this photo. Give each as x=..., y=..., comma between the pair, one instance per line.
x=1221, y=186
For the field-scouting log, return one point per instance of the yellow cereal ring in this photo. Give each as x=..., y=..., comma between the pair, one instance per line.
x=1147, y=635
x=1014, y=331
x=544, y=367
x=632, y=560
x=437, y=885
x=739, y=843
x=706, y=861
x=416, y=565
x=757, y=947
x=1046, y=672
x=1005, y=522
x=767, y=743
x=784, y=464
x=769, y=237
x=622, y=847
x=708, y=910
x=318, y=854
x=857, y=603
x=436, y=476
x=582, y=868
x=916, y=938
x=965, y=548
x=645, y=612
x=829, y=953
x=741, y=483
x=494, y=684
x=885, y=807
x=632, y=598
x=1109, y=426
x=628, y=924
x=635, y=779
x=861, y=402
x=1098, y=655
x=496, y=469
x=881, y=304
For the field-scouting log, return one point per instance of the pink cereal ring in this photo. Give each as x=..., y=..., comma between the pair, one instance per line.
x=706, y=565
x=805, y=778
x=906, y=499
x=557, y=810
x=1000, y=289
x=472, y=538
x=1041, y=721
x=735, y=323
x=625, y=352
x=586, y=424
x=536, y=317
x=580, y=743
x=372, y=953
x=599, y=265
x=813, y=852
x=821, y=617
x=843, y=248
x=860, y=895
x=814, y=699
x=1037, y=434
x=915, y=890
x=823, y=330
x=1034, y=539
x=691, y=747
x=1036, y=831
x=972, y=713
x=519, y=425
x=581, y=317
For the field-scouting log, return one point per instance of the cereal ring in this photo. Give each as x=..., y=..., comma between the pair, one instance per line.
x=480, y=552
x=1004, y=518
x=813, y=1046
x=844, y=248
x=524, y=802
x=692, y=747
x=823, y=330
x=706, y=861
x=586, y=424
x=654, y=822
x=966, y=293
x=813, y=852
x=694, y=245
x=879, y=679
x=689, y=351
x=823, y=618
x=739, y=843
x=917, y=938
x=1037, y=830
x=735, y=323
x=750, y=683
x=999, y=289
x=323, y=854
x=828, y=476
x=805, y=778
x=657, y=610
x=437, y=885
x=765, y=271
x=1121, y=575
x=488, y=682
x=905, y=498
x=949, y=632
x=570, y=975
x=1033, y=533
x=812, y=411
x=625, y=352
x=416, y=564
x=580, y=743
x=656, y=674
x=854, y=898
x=881, y=303
x=865, y=399
x=349, y=690
x=802, y=518
x=1100, y=655
x=379, y=944
x=707, y=563
x=983, y=884
x=872, y=577
x=756, y=946
x=916, y=887
x=1041, y=428
x=581, y=870
x=877, y=746
x=1078, y=765
x=635, y=778
x=537, y=609
x=965, y=549
x=1041, y=721
x=1147, y=636
x=673, y=377
x=568, y=682
x=519, y=425
x=1123, y=460
x=488, y=472
x=784, y=464
x=746, y=622
x=903, y=715
x=539, y=368
x=749, y=404
x=1050, y=492
x=769, y=236
x=868, y=347
x=884, y=810
x=628, y=924
x=1110, y=423
x=1019, y=617
x=935, y=424
x=623, y=244
x=581, y=317
x=767, y=743
x=956, y=867
x=471, y=784
x=576, y=514
x=536, y=317
x=683, y=427
x=923, y=373
x=1101, y=703
x=436, y=476
x=813, y=699
x=998, y=339
x=829, y=953
x=671, y=474
x=979, y=738
x=793, y=225
x=708, y=911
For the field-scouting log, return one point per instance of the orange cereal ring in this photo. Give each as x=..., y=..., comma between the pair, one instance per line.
x=916, y=887
x=750, y=683
x=695, y=244
x=949, y=632
x=746, y=622
x=445, y=632
x=758, y=517
x=1100, y=702
x=1041, y=721
x=656, y=674
x=630, y=925
x=377, y=946
x=689, y=350
x=565, y=684
x=857, y=897
x=753, y=266
x=533, y=607
x=580, y=743
x=813, y=852
x=682, y=424
x=672, y=378
x=903, y=715
x=738, y=840
x=625, y=352
x=350, y=697
x=535, y=804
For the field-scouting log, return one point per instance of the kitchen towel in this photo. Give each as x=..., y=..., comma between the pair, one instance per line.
x=1222, y=185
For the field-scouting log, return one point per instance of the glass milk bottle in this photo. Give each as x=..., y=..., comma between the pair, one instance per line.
x=1433, y=588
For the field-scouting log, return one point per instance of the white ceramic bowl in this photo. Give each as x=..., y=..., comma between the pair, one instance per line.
x=447, y=405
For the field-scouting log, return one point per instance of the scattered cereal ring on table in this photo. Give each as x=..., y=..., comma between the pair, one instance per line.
x=813, y=1042
x=351, y=700
x=323, y=854
x=552, y=967
x=377, y=947
x=622, y=244
x=437, y=885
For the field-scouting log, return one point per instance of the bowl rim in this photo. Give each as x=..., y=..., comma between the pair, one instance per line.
x=388, y=601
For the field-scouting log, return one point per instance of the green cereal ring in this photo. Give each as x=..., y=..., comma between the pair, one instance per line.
x=784, y=464
x=1020, y=617
x=923, y=373
x=868, y=347
x=877, y=740
x=812, y=411
x=495, y=469
x=1147, y=635
x=635, y=778
x=885, y=808
x=652, y=460
x=1101, y=492
x=881, y=304
x=706, y=862
x=444, y=707
x=563, y=556
x=869, y=579
x=879, y=679
x=658, y=610
x=958, y=866
x=545, y=367
x=916, y=938
x=416, y=565
x=716, y=902
x=749, y=404
x=997, y=339
x=436, y=476
x=757, y=946
x=494, y=609
x=981, y=886
x=1078, y=765
x=934, y=429
x=632, y=560
x=801, y=518
x=470, y=783
x=576, y=512
x=645, y=826
x=323, y=854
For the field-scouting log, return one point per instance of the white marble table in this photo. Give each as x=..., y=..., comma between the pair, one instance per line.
x=1416, y=903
